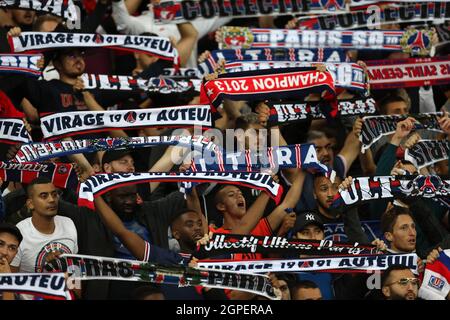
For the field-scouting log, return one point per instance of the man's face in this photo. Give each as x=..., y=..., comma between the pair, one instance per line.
x=43, y=200
x=307, y=294
x=232, y=201
x=71, y=64
x=23, y=17
x=324, y=191
x=398, y=289
x=284, y=288
x=124, y=164
x=403, y=236
x=188, y=228
x=324, y=150
x=398, y=107
x=124, y=200
x=310, y=232
x=9, y=245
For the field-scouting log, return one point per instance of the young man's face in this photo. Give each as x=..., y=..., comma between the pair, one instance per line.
x=284, y=288
x=232, y=201
x=43, y=200
x=398, y=107
x=310, y=232
x=401, y=285
x=403, y=235
x=324, y=191
x=124, y=164
x=324, y=150
x=71, y=64
x=9, y=245
x=188, y=228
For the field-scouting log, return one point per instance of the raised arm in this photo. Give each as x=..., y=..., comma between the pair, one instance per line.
x=131, y=240
x=352, y=145
x=291, y=199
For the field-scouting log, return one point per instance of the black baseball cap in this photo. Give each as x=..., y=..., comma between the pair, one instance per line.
x=111, y=155
x=12, y=229
x=305, y=218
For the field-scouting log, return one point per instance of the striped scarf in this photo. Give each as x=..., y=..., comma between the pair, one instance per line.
x=62, y=175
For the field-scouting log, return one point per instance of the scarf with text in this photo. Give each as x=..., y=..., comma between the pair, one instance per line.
x=375, y=127
x=348, y=76
x=374, y=17
x=156, y=46
x=288, y=112
x=293, y=156
x=274, y=54
x=362, y=264
x=65, y=124
x=156, y=84
x=389, y=187
x=13, y=131
x=355, y=4
x=96, y=185
x=62, y=175
x=221, y=244
x=61, y=8
x=267, y=84
x=243, y=37
x=387, y=74
x=186, y=73
x=427, y=152
x=436, y=280
x=20, y=63
x=41, y=151
x=45, y=285
x=84, y=267
x=183, y=11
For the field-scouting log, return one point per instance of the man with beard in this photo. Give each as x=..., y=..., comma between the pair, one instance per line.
x=399, y=283
x=340, y=163
x=324, y=192
x=187, y=227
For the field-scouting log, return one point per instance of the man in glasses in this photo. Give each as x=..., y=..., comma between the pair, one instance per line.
x=399, y=283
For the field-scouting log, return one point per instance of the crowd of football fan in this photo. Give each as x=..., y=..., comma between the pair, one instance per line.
x=40, y=221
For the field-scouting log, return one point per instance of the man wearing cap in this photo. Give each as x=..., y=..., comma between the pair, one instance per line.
x=117, y=161
x=10, y=239
x=308, y=226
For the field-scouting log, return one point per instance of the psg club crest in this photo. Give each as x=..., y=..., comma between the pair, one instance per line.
x=237, y=37
x=130, y=117
x=166, y=11
x=110, y=143
x=417, y=42
x=98, y=38
x=62, y=169
x=426, y=186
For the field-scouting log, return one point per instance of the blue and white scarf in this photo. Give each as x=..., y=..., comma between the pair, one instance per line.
x=20, y=63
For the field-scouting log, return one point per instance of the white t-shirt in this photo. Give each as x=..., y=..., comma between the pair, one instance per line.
x=35, y=245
